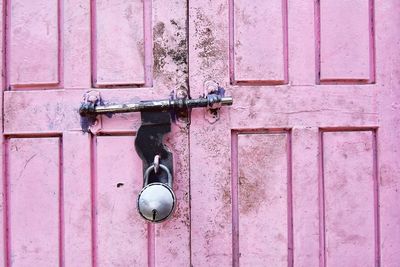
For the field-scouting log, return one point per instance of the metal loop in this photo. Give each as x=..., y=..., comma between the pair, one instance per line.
x=156, y=163
x=152, y=168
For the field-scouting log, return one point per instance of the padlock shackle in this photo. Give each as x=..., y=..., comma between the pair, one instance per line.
x=152, y=168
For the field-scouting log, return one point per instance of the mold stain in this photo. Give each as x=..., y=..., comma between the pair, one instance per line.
x=258, y=182
x=251, y=194
x=209, y=48
x=159, y=49
x=170, y=53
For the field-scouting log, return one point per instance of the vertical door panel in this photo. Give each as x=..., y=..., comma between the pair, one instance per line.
x=77, y=200
x=305, y=175
x=211, y=194
x=388, y=135
x=118, y=42
x=76, y=43
x=346, y=41
x=263, y=206
x=34, y=43
x=34, y=201
x=301, y=53
x=349, y=198
x=120, y=232
x=260, y=36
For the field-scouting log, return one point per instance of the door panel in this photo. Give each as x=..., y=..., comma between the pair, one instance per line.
x=348, y=195
x=34, y=51
x=322, y=142
x=33, y=237
x=261, y=197
x=77, y=199
x=346, y=41
x=70, y=197
x=118, y=45
x=255, y=23
x=118, y=224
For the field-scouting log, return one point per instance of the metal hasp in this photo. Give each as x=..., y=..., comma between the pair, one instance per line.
x=156, y=200
x=149, y=143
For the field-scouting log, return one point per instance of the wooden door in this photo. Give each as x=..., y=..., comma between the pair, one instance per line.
x=69, y=198
x=303, y=169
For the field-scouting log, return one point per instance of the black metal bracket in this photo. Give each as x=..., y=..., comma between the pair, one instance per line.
x=149, y=143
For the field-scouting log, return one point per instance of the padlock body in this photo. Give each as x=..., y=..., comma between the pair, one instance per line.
x=156, y=202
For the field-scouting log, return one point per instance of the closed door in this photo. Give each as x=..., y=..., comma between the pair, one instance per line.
x=70, y=197
x=302, y=170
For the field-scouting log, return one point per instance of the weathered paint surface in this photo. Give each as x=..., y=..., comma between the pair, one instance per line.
x=69, y=198
x=303, y=170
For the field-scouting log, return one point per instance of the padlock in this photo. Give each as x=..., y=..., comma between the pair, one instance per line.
x=156, y=201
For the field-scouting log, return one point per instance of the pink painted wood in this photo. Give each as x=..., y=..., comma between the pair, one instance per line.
x=303, y=170
x=69, y=199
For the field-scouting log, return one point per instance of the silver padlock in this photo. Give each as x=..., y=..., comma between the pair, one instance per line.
x=156, y=201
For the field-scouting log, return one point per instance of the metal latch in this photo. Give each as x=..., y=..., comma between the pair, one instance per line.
x=214, y=100
x=156, y=200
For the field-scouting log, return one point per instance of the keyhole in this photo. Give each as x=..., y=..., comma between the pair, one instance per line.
x=154, y=215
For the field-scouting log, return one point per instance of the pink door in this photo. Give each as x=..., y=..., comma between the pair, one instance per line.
x=70, y=197
x=303, y=170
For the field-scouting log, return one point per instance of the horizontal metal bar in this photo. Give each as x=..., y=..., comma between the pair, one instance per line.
x=156, y=105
